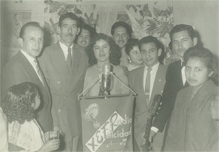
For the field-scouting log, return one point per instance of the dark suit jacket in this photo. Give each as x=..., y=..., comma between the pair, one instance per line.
x=141, y=107
x=19, y=70
x=173, y=85
x=65, y=86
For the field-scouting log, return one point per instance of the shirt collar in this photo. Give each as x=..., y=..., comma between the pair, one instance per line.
x=64, y=47
x=29, y=58
x=154, y=67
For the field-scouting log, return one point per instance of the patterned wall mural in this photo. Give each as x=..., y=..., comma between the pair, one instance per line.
x=151, y=18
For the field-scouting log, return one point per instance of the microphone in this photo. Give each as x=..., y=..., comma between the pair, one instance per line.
x=106, y=84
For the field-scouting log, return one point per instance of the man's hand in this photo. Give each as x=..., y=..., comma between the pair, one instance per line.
x=152, y=135
x=57, y=128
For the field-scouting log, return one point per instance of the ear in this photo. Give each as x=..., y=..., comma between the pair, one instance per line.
x=78, y=30
x=210, y=73
x=159, y=51
x=32, y=105
x=195, y=41
x=21, y=42
x=59, y=30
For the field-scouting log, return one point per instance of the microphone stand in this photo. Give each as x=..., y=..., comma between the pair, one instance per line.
x=105, y=96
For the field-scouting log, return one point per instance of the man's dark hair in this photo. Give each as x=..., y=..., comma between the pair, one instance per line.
x=71, y=16
x=150, y=39
x=29, y=24
x=183, y=27
x=123, y=24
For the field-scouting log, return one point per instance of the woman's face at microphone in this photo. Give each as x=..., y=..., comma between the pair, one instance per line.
x=101, y=51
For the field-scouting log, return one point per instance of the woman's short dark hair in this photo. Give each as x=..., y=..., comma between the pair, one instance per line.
x=123, y=24
x=17, y=104
x=71, y=16
x=206, y=56
x=115, y=51
x=87, y=27
x=130, y=45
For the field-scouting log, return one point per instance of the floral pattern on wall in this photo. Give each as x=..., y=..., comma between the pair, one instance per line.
x=53, y=10
x=146, y=19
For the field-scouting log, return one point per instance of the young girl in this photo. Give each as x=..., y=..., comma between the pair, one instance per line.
x=24, y=133
x=191, y=127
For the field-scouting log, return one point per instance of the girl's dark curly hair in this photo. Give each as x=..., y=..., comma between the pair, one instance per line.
x=18, y=100
x=115, y=51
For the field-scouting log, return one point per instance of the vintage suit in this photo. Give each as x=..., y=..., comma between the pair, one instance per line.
x=191, y=126
x=65, y=86
x=135, y=80
x=19, y=70
x=174, y=84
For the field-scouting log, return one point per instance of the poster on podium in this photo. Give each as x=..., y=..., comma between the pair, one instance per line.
x=107, y=124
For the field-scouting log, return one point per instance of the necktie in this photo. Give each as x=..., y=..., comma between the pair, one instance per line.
x=69, y=59
x=39, y=72
x=147, y=84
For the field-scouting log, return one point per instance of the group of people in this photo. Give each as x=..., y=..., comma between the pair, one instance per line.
x=40, y=88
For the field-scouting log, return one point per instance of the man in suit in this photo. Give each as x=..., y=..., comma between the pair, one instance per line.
x=23, y=67
x=147, y=81
x=64, y=65
x=182, y=37
x=121, y=32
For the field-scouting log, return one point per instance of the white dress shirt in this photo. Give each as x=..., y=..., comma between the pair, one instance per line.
x=183, y=73
x=153, y=74
x=65, y=49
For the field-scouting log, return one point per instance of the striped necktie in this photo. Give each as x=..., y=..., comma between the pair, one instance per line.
x=147, y=84
x=39, y=72
x=69, y=59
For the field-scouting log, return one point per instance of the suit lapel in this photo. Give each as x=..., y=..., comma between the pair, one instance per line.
x=32, y=72
x=140, y=84
x=157, y=81
x=58, y=61
x=29, y=67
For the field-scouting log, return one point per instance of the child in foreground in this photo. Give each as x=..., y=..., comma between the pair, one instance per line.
x=192, y=126
x=24, y=133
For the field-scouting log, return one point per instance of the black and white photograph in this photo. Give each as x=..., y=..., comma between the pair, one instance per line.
x=109, y=75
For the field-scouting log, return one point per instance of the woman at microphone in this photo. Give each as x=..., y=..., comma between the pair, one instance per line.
x=104, y=58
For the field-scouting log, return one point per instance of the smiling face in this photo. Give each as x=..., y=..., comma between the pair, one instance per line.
x=196, y=72
x=68, y=31
x=181, y=41
x=120, y=36
x=150, y=53
x=135, y=56
x=32, y=41
x=84, y=38
x=101, y=51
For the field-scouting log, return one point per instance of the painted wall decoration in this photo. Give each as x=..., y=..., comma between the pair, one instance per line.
x=151, y=18
x=53, y=10
x=16, y=20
